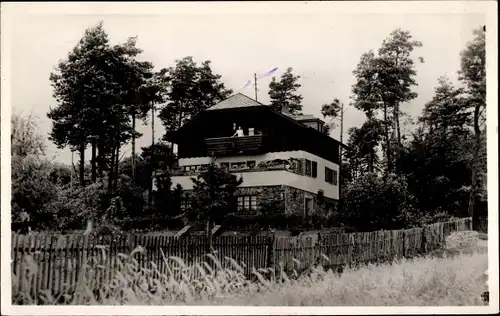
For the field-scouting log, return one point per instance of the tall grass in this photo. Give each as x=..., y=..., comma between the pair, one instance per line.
x=453, y=278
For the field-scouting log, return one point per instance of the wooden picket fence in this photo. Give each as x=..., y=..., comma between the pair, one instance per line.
x=54, y=262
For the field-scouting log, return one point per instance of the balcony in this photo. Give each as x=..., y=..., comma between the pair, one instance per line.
x=234, y=146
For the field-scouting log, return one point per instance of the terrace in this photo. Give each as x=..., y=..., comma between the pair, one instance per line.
x=233, y=146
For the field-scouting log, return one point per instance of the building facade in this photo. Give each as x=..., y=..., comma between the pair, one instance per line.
x=286, y=162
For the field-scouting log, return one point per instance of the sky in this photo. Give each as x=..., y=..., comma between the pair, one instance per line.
x=323, y=49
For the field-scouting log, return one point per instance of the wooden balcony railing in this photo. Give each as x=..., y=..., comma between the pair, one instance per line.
x=233, y=146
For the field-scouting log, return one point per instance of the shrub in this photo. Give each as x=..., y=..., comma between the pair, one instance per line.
x=373, y=203
x=32, y=190
x=74, y=206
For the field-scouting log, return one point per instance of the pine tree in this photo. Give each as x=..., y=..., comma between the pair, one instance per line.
x=283, y=93
x=189, y=89
x=213, y=195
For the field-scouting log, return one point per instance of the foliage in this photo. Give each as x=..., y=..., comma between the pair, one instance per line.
x=473, y=74
x=32, y=189
x=473, y=67
x=189, y=89
x=331, y=110
x=363, y=142
x=383, y=83
x=25, y=140
x=32, y=178
x=73, y=207
x=159, y=156
x=97, y=87
x=213, y=194
x=167, y=200
x=372, y=203
x=283, y=93
x=446, y=113
x=436, y=162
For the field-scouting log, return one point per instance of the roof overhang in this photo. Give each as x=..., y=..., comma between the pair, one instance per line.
x=173, y=136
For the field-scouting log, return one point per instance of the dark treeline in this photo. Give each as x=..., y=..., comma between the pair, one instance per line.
x=389, y=178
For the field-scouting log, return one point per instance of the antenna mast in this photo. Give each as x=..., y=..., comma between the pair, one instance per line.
x=255, y=85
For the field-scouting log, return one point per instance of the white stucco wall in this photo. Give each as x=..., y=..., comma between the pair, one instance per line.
x=272, y=177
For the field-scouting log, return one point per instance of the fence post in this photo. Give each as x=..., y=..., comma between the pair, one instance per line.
x=270, y=251
x=422, y=246
x=404, y=243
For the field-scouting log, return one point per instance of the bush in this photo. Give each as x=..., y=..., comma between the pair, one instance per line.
x=32, y=190
x=74, y=206
x=372, y=203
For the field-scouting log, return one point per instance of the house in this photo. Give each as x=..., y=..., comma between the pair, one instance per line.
x=283, y=159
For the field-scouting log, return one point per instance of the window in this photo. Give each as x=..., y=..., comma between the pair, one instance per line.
x=308, y=167
x=314, y=169
x=238, y=165
x=334, y=177
x=328, y=175
x=251, y=164
x=185, y=204
x=247, y=203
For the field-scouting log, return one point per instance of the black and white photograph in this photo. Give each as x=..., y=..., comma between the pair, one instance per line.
x=249, y=157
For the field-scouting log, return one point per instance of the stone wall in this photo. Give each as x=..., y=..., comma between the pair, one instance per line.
x=272, y=197
x=285, y=199
x=296, y=199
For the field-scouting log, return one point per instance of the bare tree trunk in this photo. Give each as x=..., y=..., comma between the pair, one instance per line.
x=387, y=142
x=117, y=160
x=82, y=164
x=111, y=171
x=133, y=147
x=151, y=160
x=398, y=135
x=398, y=128
x=477, y=144
x=371, y=162
x=93, y=162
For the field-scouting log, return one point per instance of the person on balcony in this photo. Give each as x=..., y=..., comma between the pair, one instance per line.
x=239, y=132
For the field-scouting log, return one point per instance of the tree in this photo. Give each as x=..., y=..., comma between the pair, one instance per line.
x=213, y=195
x=384, y=82
x=167, y=202
x=24, y=138
x=80, y=83
x=363, y=142
x=189, y=89
x=31, y=184
x=283, y=93
x=435, y=163
x=98, y=89
x=331, y=110
x=141, y=88
x=373, y=204
x=473, y=74
x=446, y=112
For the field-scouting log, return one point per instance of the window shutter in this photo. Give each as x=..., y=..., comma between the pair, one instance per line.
x=314, y=169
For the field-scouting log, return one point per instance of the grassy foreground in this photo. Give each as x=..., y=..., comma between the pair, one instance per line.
x=454, y=276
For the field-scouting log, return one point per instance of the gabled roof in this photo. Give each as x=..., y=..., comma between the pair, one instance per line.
x=238, y=100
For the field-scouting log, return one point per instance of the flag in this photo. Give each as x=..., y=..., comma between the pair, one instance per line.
x=249, y=82
x=270, y=72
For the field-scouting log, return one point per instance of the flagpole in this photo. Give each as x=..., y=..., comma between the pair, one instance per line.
x=255, y=84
